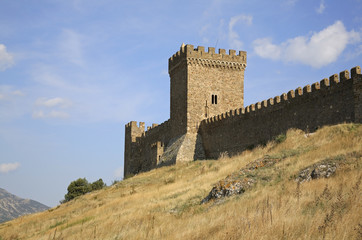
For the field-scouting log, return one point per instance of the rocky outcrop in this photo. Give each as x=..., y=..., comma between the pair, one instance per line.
x=226, y=188
x=322, y=169
x=327, y=167
x=240, y=181
x=245, y=178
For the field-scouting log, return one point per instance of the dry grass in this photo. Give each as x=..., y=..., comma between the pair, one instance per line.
x=165, y=203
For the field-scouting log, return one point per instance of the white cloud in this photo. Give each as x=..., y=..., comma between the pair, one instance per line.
x=234, y=39
x=290, y=3
x=86, y=99
x=321, y=49
x=203, y=32
x=53, y=102
x=13, y=102
x=6, y=59
x=321, y=8
x=204, y=29
x=58, y=114
x=354, y=37
x=8, y=93
x=48, y=108
x=265, y=49
x=49, y=76
x=17, y=93
x=248, y=20
x=118, y=173
x=357, y=52
x=40, y=114
x=8, y=167
x=71, y=47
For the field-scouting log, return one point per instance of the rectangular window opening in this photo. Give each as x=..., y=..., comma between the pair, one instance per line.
x=213, y=99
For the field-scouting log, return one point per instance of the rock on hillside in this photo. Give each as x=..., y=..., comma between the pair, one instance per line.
x=239, y=182
x=12, y=206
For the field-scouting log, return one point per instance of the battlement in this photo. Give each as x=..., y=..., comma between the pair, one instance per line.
x=133, y=125
x=334, y=81
x=156, y=127
x=190, y=55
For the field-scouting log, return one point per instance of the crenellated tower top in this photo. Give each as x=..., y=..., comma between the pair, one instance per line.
x=210, y=58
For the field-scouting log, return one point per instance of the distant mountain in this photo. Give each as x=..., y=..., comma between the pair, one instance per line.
x=12, y=206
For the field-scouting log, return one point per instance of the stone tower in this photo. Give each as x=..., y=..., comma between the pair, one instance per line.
x=204, y=84
x=132, y=158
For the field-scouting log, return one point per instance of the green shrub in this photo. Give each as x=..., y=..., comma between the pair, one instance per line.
x=77, y=188
x=97, y=185
x=80, y=187
x=280, y=138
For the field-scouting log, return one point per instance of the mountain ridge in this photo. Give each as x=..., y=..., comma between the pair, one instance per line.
x=12, y=206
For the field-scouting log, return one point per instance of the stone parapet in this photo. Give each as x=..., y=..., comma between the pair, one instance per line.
x=197, y=56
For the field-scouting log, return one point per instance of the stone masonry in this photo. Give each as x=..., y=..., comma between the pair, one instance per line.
x=207, y=116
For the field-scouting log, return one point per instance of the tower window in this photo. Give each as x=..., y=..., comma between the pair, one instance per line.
x=213, y=99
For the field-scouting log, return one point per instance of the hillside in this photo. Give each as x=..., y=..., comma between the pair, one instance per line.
x=12, y=206
x=280, y=202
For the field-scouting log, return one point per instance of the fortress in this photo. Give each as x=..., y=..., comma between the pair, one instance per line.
x=208, y=118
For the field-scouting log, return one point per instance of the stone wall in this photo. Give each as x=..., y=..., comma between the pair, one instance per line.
x=143, y=149
x=334, y=100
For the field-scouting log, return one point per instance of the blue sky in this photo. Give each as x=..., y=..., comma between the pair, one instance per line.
x=74, y=72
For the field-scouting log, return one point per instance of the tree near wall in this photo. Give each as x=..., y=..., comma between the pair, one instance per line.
x=80, y=187
x=97, y=185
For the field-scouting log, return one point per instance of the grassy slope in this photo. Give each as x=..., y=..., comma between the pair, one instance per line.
x=164, y=203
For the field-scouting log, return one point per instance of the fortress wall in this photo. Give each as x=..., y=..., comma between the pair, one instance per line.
x=154, y=142
x=331, y=101
x=144, y=148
